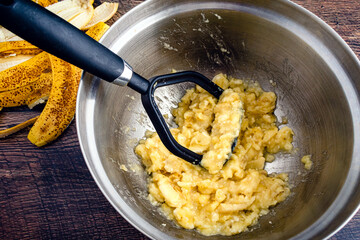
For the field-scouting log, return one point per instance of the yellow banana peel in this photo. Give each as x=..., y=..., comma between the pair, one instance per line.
x=10, y=46
x=24, y=73
x=6, y=132
x=45, y=3
x=60, y=107
x=32, y=52
x=98, y=30
x=18, y=48
x=30, y=95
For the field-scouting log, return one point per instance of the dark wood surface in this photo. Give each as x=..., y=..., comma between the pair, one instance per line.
x=48, y=192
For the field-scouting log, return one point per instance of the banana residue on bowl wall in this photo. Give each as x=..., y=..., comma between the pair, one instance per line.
x=306, y=160
x=232, y=199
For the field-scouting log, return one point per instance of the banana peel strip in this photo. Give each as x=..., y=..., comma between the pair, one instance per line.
x=98, y=30
x=60, y=107
x=11, y=61
x=24, y=73
x=6, y=35
x=45, y=3
x=18, y=48
x=81, y=20
x=76, y=12
x=2, y=35
x=6, y=132
x=14, y=38
x=31, y=94
x=70, y=13
x=7, y=46
x=102, y=13
x=61, y=6
x=31, y=52
x=84, y=3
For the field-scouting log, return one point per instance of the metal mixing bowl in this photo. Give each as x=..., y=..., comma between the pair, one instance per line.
x=277, y=43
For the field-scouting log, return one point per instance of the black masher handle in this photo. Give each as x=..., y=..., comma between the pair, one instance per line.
x=58, y=37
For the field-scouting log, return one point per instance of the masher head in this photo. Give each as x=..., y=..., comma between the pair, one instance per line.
x=156, y=117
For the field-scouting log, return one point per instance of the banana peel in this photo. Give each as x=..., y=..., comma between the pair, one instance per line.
x=11, y=61
x=18, y=48
x=61, y=6
x=2, y=35
x=98, y=30
x=6, y=132
x=66, y=9
x=32, y=52
x=6, y=35
x=84, y=3
x=24, y=73
x=31, y=94
x=9, y=46
x=45, y=3
x=67, y=4
x=60, y=107
x=71, y=13
x=81, y=20
x=102, y=13
x=76, y=12
x=29, y=82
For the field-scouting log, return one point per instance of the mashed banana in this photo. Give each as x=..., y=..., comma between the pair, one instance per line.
x=220, y=201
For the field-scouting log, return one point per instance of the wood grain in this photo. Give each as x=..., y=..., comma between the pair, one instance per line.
x=48, y=193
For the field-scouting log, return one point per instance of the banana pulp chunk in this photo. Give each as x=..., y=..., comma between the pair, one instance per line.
x=229, y=112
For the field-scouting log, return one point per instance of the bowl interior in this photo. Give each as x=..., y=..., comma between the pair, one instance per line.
x=276, y=44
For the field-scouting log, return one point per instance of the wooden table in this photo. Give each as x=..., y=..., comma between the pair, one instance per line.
x=49, y=193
